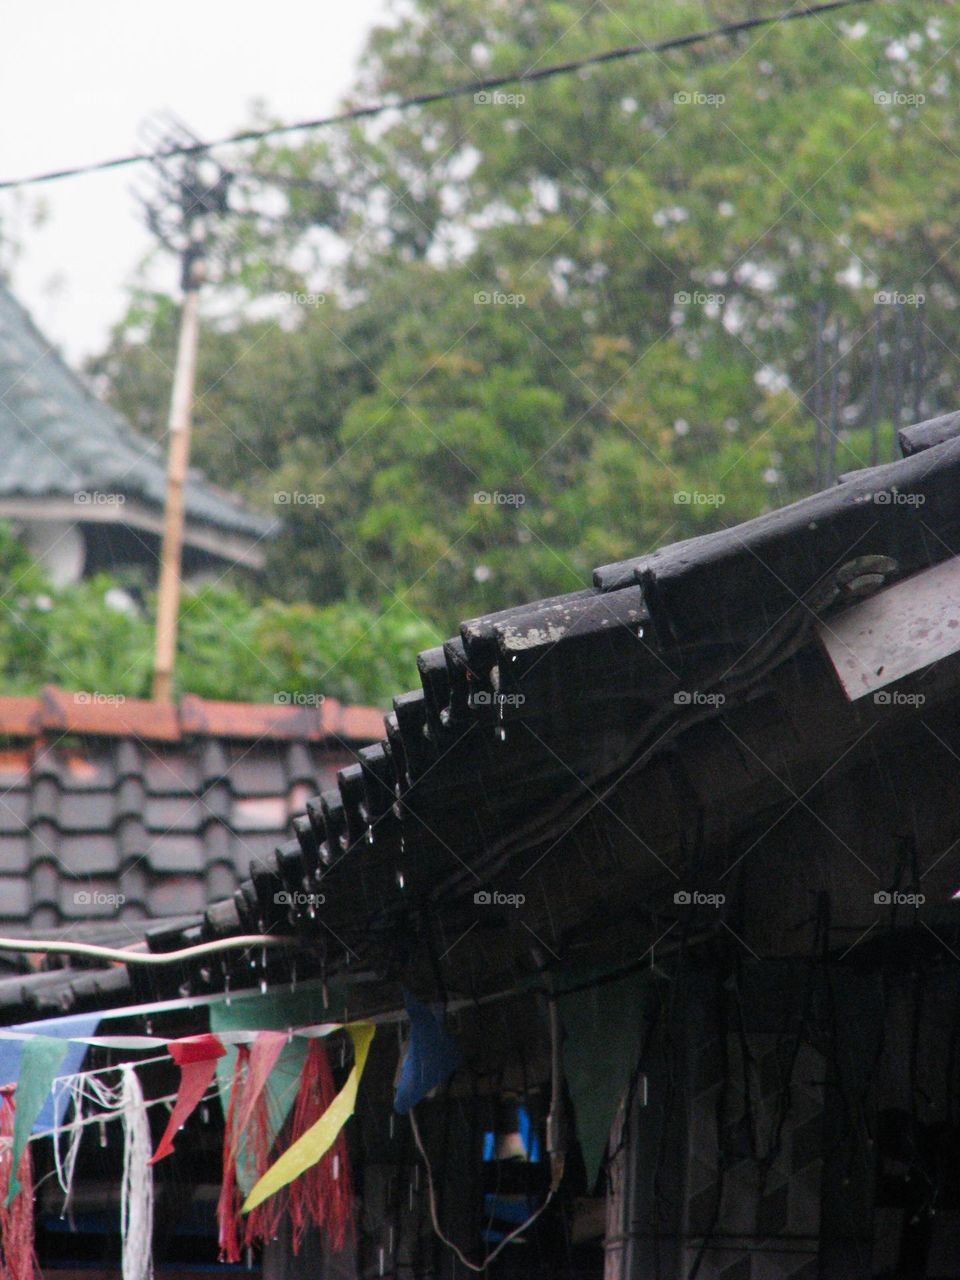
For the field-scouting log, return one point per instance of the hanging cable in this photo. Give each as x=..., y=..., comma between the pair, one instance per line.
x=42, y=946
x=479, y=1268
x=555, y=1145
x=484, y=84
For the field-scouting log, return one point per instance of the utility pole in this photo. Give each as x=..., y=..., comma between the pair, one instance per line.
x=178, y=457
x=178, y=216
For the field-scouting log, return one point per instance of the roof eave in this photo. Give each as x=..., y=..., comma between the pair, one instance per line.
x=232, y=546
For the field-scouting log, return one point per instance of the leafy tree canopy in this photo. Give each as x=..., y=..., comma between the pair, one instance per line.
x=489, y=345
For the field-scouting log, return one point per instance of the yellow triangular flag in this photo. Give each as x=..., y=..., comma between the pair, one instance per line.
x=319, y=1138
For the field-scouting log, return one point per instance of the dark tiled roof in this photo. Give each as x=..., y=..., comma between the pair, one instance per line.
x=165, y=806
x=530, y=714
x=57, y=439
x=562, y=727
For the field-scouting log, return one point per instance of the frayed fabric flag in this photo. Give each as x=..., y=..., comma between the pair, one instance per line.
x=322, y=1196
x=320, y=1137
x=247, y=1141
x=18, y=1259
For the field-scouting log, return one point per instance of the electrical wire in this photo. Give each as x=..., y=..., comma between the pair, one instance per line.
x=555, y=1142
x=481, y=85
x=43, y=946
x=479, y=1268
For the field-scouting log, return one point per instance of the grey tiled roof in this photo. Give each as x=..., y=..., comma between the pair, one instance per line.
x=147, y=813
x=57, y=438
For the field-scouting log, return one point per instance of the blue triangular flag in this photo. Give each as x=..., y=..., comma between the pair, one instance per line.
x=431, y=1056
x=11, y=1052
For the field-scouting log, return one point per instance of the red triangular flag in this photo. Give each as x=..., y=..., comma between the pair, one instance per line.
x=264, y=1052
x=196, y=1056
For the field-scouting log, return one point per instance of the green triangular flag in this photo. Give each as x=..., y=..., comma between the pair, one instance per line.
x=40, y=1061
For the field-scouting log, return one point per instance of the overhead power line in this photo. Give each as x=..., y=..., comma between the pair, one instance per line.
x=440, y=95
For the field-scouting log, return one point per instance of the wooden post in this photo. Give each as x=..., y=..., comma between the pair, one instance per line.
x=181, y=416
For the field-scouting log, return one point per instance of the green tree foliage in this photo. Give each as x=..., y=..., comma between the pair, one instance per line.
x=593, y=306
x=78, y=638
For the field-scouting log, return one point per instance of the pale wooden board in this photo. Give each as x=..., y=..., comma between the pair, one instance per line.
x=898, y=631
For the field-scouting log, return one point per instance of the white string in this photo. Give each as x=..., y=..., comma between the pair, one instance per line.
x=209, y=1096
x=136, y=1195
x=66, y=1167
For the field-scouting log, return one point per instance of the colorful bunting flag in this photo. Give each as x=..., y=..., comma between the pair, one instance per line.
x=431, y=1057
x=196, y=1056
x=318, y=1139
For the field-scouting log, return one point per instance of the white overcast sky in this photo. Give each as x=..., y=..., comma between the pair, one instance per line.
x=77, y=77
